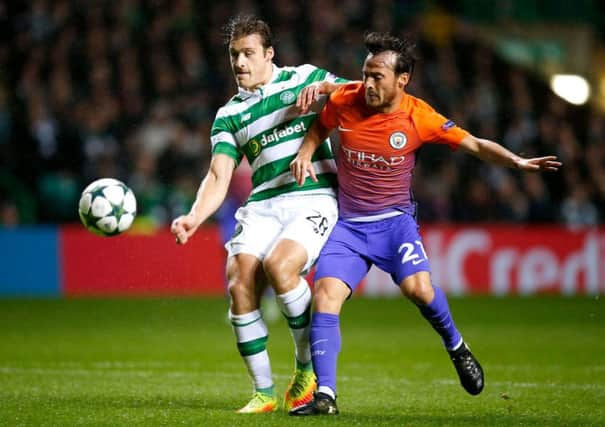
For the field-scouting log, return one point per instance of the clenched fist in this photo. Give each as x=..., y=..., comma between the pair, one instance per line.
x=183, y=227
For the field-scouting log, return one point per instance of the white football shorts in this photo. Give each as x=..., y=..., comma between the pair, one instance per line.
x=307, y=219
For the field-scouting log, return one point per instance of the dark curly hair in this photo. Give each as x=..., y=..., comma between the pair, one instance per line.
x=376, y=43
x=245, y=25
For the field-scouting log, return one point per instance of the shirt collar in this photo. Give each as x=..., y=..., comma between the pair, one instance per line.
x=245, y=93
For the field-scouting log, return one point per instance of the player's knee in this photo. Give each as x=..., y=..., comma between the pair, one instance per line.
x=273, y=268
x=240, y=290
x=417, y=290
x=328, y=298
x=281, y=273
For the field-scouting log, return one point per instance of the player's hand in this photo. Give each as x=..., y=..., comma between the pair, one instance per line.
x=183, y=228
x=307, y=96
x=300, y=167
x=536, y=164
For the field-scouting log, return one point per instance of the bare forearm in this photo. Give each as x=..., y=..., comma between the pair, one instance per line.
x=210, y=195
x=302, y=166
x=209, y=198
x=327, y=87
x=493, y=152
x=213, y=189
x=313, y=139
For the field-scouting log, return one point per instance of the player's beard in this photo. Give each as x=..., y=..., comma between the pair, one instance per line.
x=381, y=103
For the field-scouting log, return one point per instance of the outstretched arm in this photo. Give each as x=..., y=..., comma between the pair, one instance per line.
x=493, y=152
x=309, y=94
x=210, y=196
x=301, y=165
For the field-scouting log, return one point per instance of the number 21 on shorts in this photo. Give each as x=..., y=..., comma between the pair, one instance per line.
x=411, y=253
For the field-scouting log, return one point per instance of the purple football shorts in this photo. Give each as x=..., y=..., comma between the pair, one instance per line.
x=393, y=244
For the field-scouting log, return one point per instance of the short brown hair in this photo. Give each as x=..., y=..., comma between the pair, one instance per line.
x=403, y=47
x=245, y=25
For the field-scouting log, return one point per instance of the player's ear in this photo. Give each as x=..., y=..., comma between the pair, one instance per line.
x=269, y=53
x=403, y=80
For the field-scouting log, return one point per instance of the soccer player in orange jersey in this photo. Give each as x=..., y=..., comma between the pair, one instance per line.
x=381, y=127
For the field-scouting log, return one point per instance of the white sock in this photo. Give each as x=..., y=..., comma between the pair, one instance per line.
x=251, y=335
x=296, y=306
x=326, y=390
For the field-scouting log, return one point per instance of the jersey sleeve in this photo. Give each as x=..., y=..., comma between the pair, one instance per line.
x=311, y=74
x=434, y=128
x=223, y=140
x=327, y=117
x=344, y=96
x=316, y=74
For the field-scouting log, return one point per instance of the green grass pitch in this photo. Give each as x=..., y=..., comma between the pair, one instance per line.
x=173, y=362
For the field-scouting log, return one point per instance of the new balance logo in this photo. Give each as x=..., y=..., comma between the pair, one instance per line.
x=246, y=117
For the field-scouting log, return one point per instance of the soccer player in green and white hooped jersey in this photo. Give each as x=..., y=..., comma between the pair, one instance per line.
x=265, y=127
x=282, y=227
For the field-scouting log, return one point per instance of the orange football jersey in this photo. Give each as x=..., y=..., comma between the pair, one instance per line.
x=377, y=151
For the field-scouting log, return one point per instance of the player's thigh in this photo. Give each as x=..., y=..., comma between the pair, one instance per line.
x=408, y=254
x=343, y=257
x=256, y=231
x=308, y=222
x=284, y=264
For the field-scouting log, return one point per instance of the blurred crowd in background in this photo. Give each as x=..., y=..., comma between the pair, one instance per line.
x=129, y=89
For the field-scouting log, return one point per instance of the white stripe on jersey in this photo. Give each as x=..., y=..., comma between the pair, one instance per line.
x=273, y=115
x=301, y=74
x=320, y=166
x=264, y=123
x=223, y=137
x=277, y=152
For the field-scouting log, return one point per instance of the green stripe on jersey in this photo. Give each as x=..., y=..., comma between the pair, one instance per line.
x=265, y=127
x=234, y=122
x=228, y=149
x=273, y=169
x=326, y=180
x=284, y=76
x=283, y=132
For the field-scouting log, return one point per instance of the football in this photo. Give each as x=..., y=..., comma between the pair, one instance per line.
x=107, y=207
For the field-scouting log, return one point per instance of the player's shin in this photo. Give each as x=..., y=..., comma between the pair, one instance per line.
x=251, y=334
x=325, y=346
x=296, y=307
x=437, y=312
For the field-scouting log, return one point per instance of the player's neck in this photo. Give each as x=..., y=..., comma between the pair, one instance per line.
x=265, y=80
x=393, y=106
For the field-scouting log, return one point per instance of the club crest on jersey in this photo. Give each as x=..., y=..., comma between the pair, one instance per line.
x=255, y=147
x=398, y=140
x=287, y=97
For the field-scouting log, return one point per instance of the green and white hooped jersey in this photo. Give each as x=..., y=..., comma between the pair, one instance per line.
x=266, y=127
